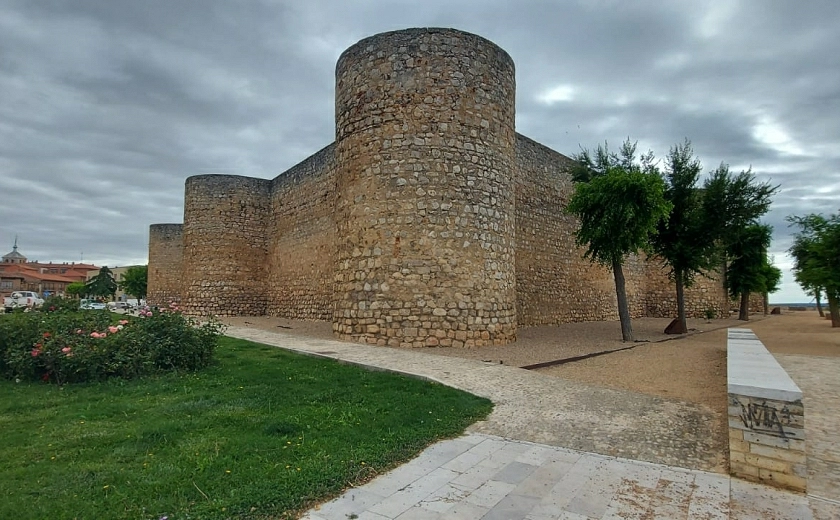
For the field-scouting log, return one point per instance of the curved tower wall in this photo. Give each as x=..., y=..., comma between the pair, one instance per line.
x=166, y=264
x=225, y=244
x=425, y=153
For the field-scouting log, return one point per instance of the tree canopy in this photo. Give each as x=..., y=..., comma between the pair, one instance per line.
x=76, y=289
x=732, y=207
x=750, y=271
x=619, y=203
x=134, y=281
x=816, y=254
x=102, y=285
x=683, y=241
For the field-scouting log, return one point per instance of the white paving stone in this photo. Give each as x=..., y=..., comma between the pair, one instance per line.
x=490, y=493
x=565, y=485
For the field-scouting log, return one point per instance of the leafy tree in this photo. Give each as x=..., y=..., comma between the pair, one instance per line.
x=684, y=241
x=816, y=253
x=772, y=281
x=747, y=272
x=619, y=203
x=808, y=279
x=76, y=289
x=134, y=281
x=732, y=204
x=102, y=285
x=816, y=293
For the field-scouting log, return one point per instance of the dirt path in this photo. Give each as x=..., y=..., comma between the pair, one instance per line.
x=798, y=333
x=687, y=368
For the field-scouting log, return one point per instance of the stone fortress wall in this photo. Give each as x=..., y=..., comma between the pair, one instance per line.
x=166, y=259
x=429, y=221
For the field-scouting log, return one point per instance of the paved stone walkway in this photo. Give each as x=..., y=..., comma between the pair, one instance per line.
x=499, y=471
x=489, y=478
x=819, y=380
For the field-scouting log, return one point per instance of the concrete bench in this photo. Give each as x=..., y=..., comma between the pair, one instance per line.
x=766, y=416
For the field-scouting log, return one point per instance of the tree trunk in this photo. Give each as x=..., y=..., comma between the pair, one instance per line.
x=833, y=309
x=623, y=308
x=726, y=299
x=819, y=303
x=744, y=312
x=766, y=303
x=678, y=279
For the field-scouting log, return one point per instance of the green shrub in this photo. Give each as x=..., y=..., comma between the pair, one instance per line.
x=59, y=304
x=79, y=346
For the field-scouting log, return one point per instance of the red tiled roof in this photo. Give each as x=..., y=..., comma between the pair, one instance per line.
x=65, y=265
x=28, y=273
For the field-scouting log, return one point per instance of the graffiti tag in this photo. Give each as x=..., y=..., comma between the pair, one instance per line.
x=765, y=418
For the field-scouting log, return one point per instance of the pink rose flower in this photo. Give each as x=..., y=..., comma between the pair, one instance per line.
x=113, y=329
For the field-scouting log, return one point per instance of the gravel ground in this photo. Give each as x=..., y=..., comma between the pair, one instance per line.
x=689, y=368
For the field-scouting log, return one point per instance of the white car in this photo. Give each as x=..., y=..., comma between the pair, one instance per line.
x=22, y=299
x=120, y=306
x=92, y=305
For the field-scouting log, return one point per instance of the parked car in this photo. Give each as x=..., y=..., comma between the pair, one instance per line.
x=22, y=299
x=92, y=305
x=120, y=306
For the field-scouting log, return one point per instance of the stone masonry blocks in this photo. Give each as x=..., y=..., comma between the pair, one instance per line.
x=225, y=245
x=766, y=416
x=429, y=221
x=425, y=147
x=301, y=240
x=166, y=264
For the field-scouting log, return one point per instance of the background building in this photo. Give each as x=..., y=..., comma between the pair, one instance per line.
x=45, y=278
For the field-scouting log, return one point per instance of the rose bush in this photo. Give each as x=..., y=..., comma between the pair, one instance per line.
x=78, y=346
x=59, y=304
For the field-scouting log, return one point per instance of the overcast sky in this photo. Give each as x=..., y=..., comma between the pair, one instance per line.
x=107, y=106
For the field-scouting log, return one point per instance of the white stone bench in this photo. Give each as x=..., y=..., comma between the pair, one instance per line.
x=766, y=416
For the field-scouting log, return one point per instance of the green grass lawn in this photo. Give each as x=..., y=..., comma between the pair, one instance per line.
x=262, y=434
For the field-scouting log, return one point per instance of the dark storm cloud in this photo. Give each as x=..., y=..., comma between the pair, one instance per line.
x=107, y=106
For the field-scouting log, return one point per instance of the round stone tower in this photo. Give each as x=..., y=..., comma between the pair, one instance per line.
x=425, y=147
x=225, y=245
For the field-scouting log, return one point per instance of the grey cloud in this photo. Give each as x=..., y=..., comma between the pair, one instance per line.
x=109, y=105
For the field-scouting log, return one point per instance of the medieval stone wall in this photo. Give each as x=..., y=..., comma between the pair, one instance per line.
x=301, y=240
x=425, y=155
x=705, y=294
x=166, y=264
x=554, y=283
x=225, y=245
x=429, y=221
